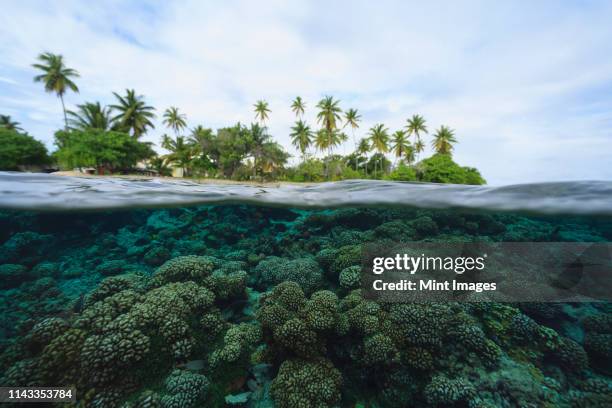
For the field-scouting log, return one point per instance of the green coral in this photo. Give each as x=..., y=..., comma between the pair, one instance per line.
x=346, y=256
x=238, y=342
x=379, y=349
x=306, y=384
x=184, y=268
x=294, y=335
x=350, y=278
x=443, y=391
x=184, y=389
x=227, y=285
x=46, y=330
x=304, y=271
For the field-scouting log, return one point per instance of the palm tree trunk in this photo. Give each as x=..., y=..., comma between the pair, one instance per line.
x=64, y=110
x=355, y=146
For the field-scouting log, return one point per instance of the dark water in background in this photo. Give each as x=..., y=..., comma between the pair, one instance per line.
x=251, y=293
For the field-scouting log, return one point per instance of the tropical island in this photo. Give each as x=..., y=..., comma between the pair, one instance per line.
x=107, y=141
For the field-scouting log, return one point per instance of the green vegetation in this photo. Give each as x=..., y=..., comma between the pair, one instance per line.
x=20, y=149
x=440, y=168
x=107, y=151
x=107, y=138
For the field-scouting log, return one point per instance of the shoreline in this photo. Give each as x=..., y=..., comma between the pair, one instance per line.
x=71, y=173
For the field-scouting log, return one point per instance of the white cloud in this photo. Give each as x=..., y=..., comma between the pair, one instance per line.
x=526, y=87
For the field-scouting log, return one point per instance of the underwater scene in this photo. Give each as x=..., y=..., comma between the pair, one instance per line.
x=150, y=294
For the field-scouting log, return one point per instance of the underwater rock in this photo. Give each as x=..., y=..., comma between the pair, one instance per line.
x=156, y=256
x=25, y=247
x=237, y=399
x=113, y=267
x=13, y=275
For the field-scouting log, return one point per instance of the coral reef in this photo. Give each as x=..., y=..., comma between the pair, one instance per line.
x=255, y=307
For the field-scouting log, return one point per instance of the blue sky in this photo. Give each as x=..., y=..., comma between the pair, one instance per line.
x=526, y=85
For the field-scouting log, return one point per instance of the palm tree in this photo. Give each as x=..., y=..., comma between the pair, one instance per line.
x=444, y=138
x=352, y=118
x=419, y=147
x=379, y=139
x=301, y=137
x=321, y=140
x=90, y=116
x=261, y=111
x=325, y=141
x=174, y=120
x=400, y=144
x=328, y=117
x=202, y=138
x=298, y=106
x=56, y=77
x=363, y=148
x=416, y=125
x=7, y=123
x=133, y=114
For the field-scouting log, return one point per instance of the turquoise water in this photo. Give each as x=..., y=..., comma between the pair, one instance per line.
x=147, y=293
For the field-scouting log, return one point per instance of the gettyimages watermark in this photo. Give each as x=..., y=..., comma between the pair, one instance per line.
x=487, y=271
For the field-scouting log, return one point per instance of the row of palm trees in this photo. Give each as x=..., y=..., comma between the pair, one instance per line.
x=131, y=114
x=333, y=121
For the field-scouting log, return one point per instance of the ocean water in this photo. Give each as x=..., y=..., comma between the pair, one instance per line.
x=148, y=293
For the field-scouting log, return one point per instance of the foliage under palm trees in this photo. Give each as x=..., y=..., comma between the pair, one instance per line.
x=134, y=115
x=301, y=137
x=181, y=152
x=443, y=141
x=56, y=77
x=9, y=124
x=19, y=149
x=174, y=120
x=298, y=106
x=90, y=115
x=261, y=111
x=259, y=137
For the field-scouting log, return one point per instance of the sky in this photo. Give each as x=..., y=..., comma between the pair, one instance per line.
x=527, y=86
